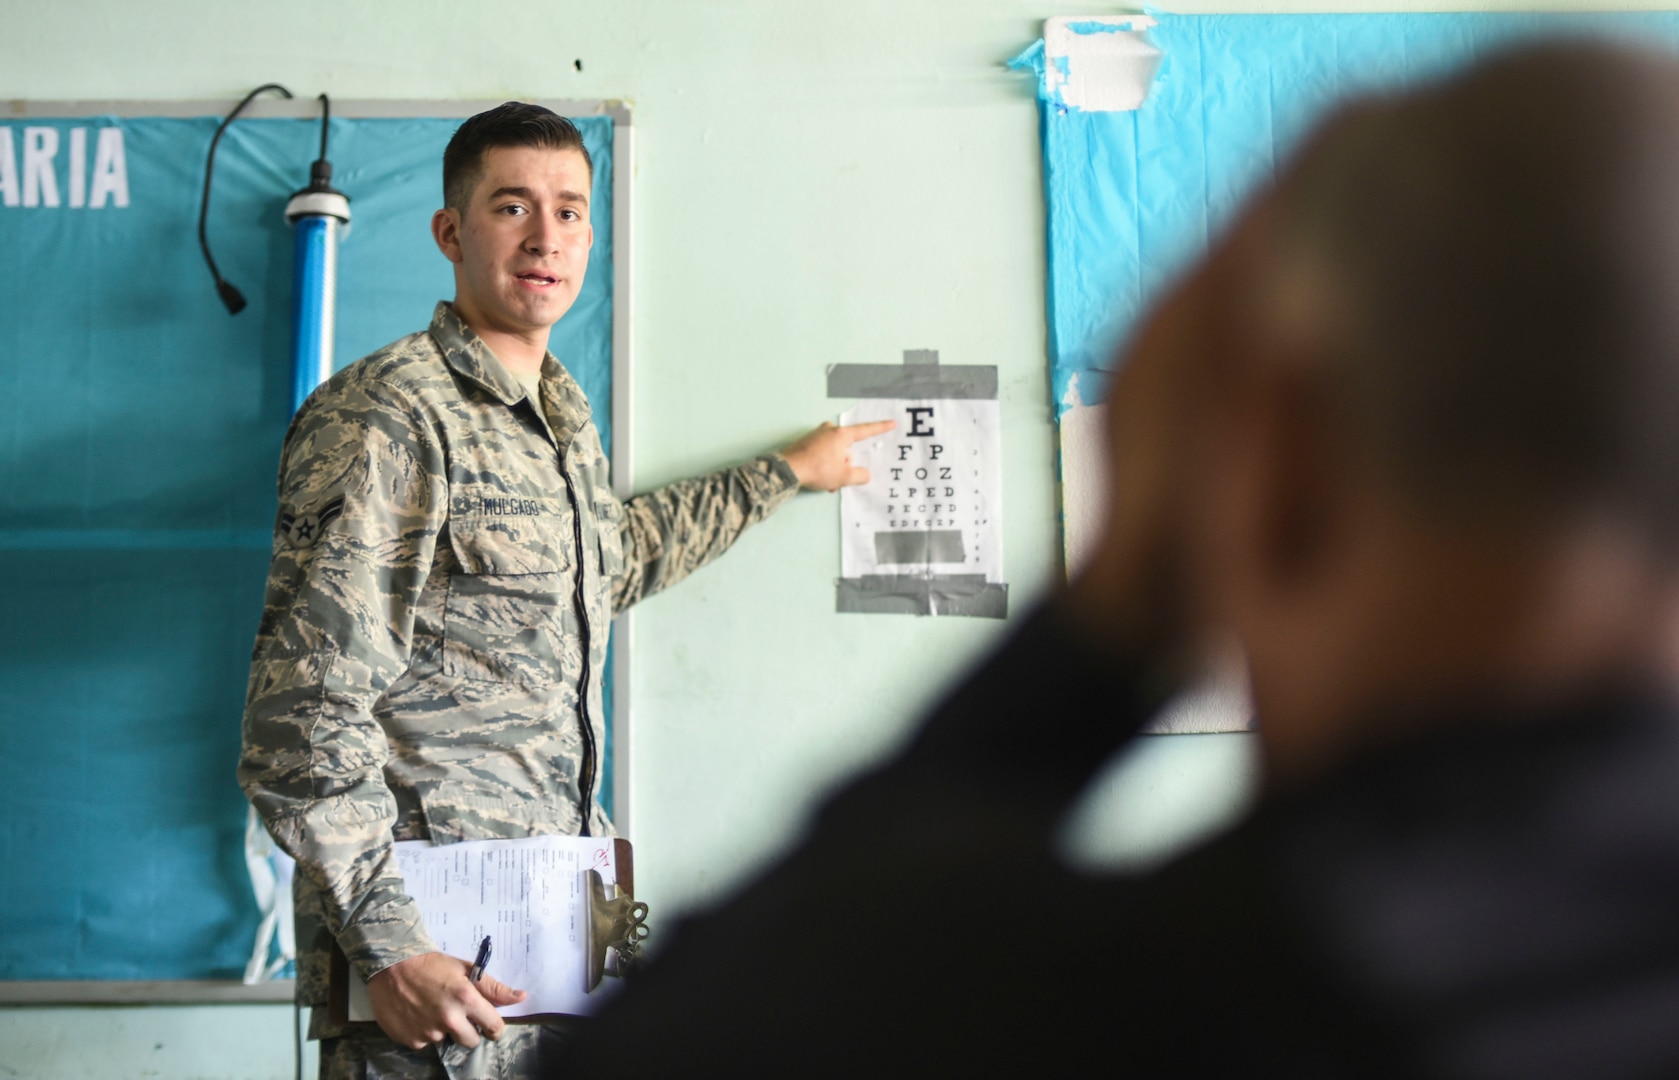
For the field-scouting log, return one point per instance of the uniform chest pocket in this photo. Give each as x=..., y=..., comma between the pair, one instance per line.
x=510, y=613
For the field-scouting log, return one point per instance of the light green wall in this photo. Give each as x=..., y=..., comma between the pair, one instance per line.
x=166, y=1042
x=818, y=182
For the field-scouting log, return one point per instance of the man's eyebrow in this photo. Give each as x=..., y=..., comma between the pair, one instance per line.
x=530, y=196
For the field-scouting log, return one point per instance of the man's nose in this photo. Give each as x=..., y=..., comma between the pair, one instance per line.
x=543, y=237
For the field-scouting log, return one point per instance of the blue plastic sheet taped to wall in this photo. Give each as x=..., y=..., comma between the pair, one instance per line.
x=140, y=429
x=1133, y=197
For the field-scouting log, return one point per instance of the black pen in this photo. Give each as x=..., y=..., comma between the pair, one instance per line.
x=478, y=965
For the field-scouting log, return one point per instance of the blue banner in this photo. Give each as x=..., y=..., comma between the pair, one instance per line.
x=140, y=436
x=1134, y=197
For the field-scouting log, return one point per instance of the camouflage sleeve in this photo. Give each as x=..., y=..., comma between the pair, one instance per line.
x=363, y=494
x=669, y=533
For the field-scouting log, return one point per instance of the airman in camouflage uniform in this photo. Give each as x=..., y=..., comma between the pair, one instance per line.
x=448, y=558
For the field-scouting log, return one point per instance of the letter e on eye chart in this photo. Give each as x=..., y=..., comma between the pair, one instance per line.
x=933, y=500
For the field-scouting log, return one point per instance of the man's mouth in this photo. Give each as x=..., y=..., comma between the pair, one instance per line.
x=537, y=277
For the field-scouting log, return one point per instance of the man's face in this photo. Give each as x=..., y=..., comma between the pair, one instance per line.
x=521, y=247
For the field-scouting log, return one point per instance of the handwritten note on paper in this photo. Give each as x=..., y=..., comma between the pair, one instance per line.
x=527, y=895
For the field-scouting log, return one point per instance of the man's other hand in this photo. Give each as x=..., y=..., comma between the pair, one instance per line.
x=822, y=459
x=421, y=1000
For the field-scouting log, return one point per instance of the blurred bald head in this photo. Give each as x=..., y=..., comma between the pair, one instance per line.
x=1489, y=270
x=1442, y=367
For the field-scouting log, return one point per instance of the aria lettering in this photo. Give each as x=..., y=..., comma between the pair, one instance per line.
x=36, y=182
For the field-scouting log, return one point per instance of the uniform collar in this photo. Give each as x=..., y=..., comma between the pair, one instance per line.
x=466, y=352
x=565, y=410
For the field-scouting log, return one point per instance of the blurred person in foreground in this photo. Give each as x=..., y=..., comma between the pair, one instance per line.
x=1411, y=435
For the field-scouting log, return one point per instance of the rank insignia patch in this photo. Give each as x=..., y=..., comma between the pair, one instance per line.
x=302, y=530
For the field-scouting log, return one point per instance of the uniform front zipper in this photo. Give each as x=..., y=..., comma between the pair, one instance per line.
x=586, y=778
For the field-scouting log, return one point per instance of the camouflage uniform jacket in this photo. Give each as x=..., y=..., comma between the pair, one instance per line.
x=446, y=563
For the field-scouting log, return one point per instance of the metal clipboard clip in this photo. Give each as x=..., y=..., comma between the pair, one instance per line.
x=617, y=925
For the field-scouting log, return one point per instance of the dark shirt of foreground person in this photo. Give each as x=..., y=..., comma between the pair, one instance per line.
x=1410, y=437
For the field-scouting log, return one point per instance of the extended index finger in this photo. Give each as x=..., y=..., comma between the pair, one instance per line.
x=858, y=432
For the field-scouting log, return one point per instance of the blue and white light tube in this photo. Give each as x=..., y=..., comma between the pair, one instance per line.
x=319, y=220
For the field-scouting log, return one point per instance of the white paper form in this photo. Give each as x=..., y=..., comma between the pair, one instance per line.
x=527, y=895
x=934, y=497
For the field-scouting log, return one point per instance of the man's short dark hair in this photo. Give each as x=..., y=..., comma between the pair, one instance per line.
x=511, y=124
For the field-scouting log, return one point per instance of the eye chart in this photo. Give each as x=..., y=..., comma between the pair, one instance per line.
x=924, y=535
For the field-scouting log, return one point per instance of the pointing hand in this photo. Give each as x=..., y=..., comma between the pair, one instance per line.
x=822, y=459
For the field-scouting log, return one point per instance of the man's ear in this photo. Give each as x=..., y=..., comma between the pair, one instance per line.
x=446, y=231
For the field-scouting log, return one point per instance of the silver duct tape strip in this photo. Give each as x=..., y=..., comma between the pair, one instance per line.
x=906, y=594
x=918, y=380
x=927, y=546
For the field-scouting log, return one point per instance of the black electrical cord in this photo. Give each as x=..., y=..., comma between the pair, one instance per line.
x=326, y=118
x=232, y=297
x=320, y=173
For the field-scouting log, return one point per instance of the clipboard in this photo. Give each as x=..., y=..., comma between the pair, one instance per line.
x=623, y=865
